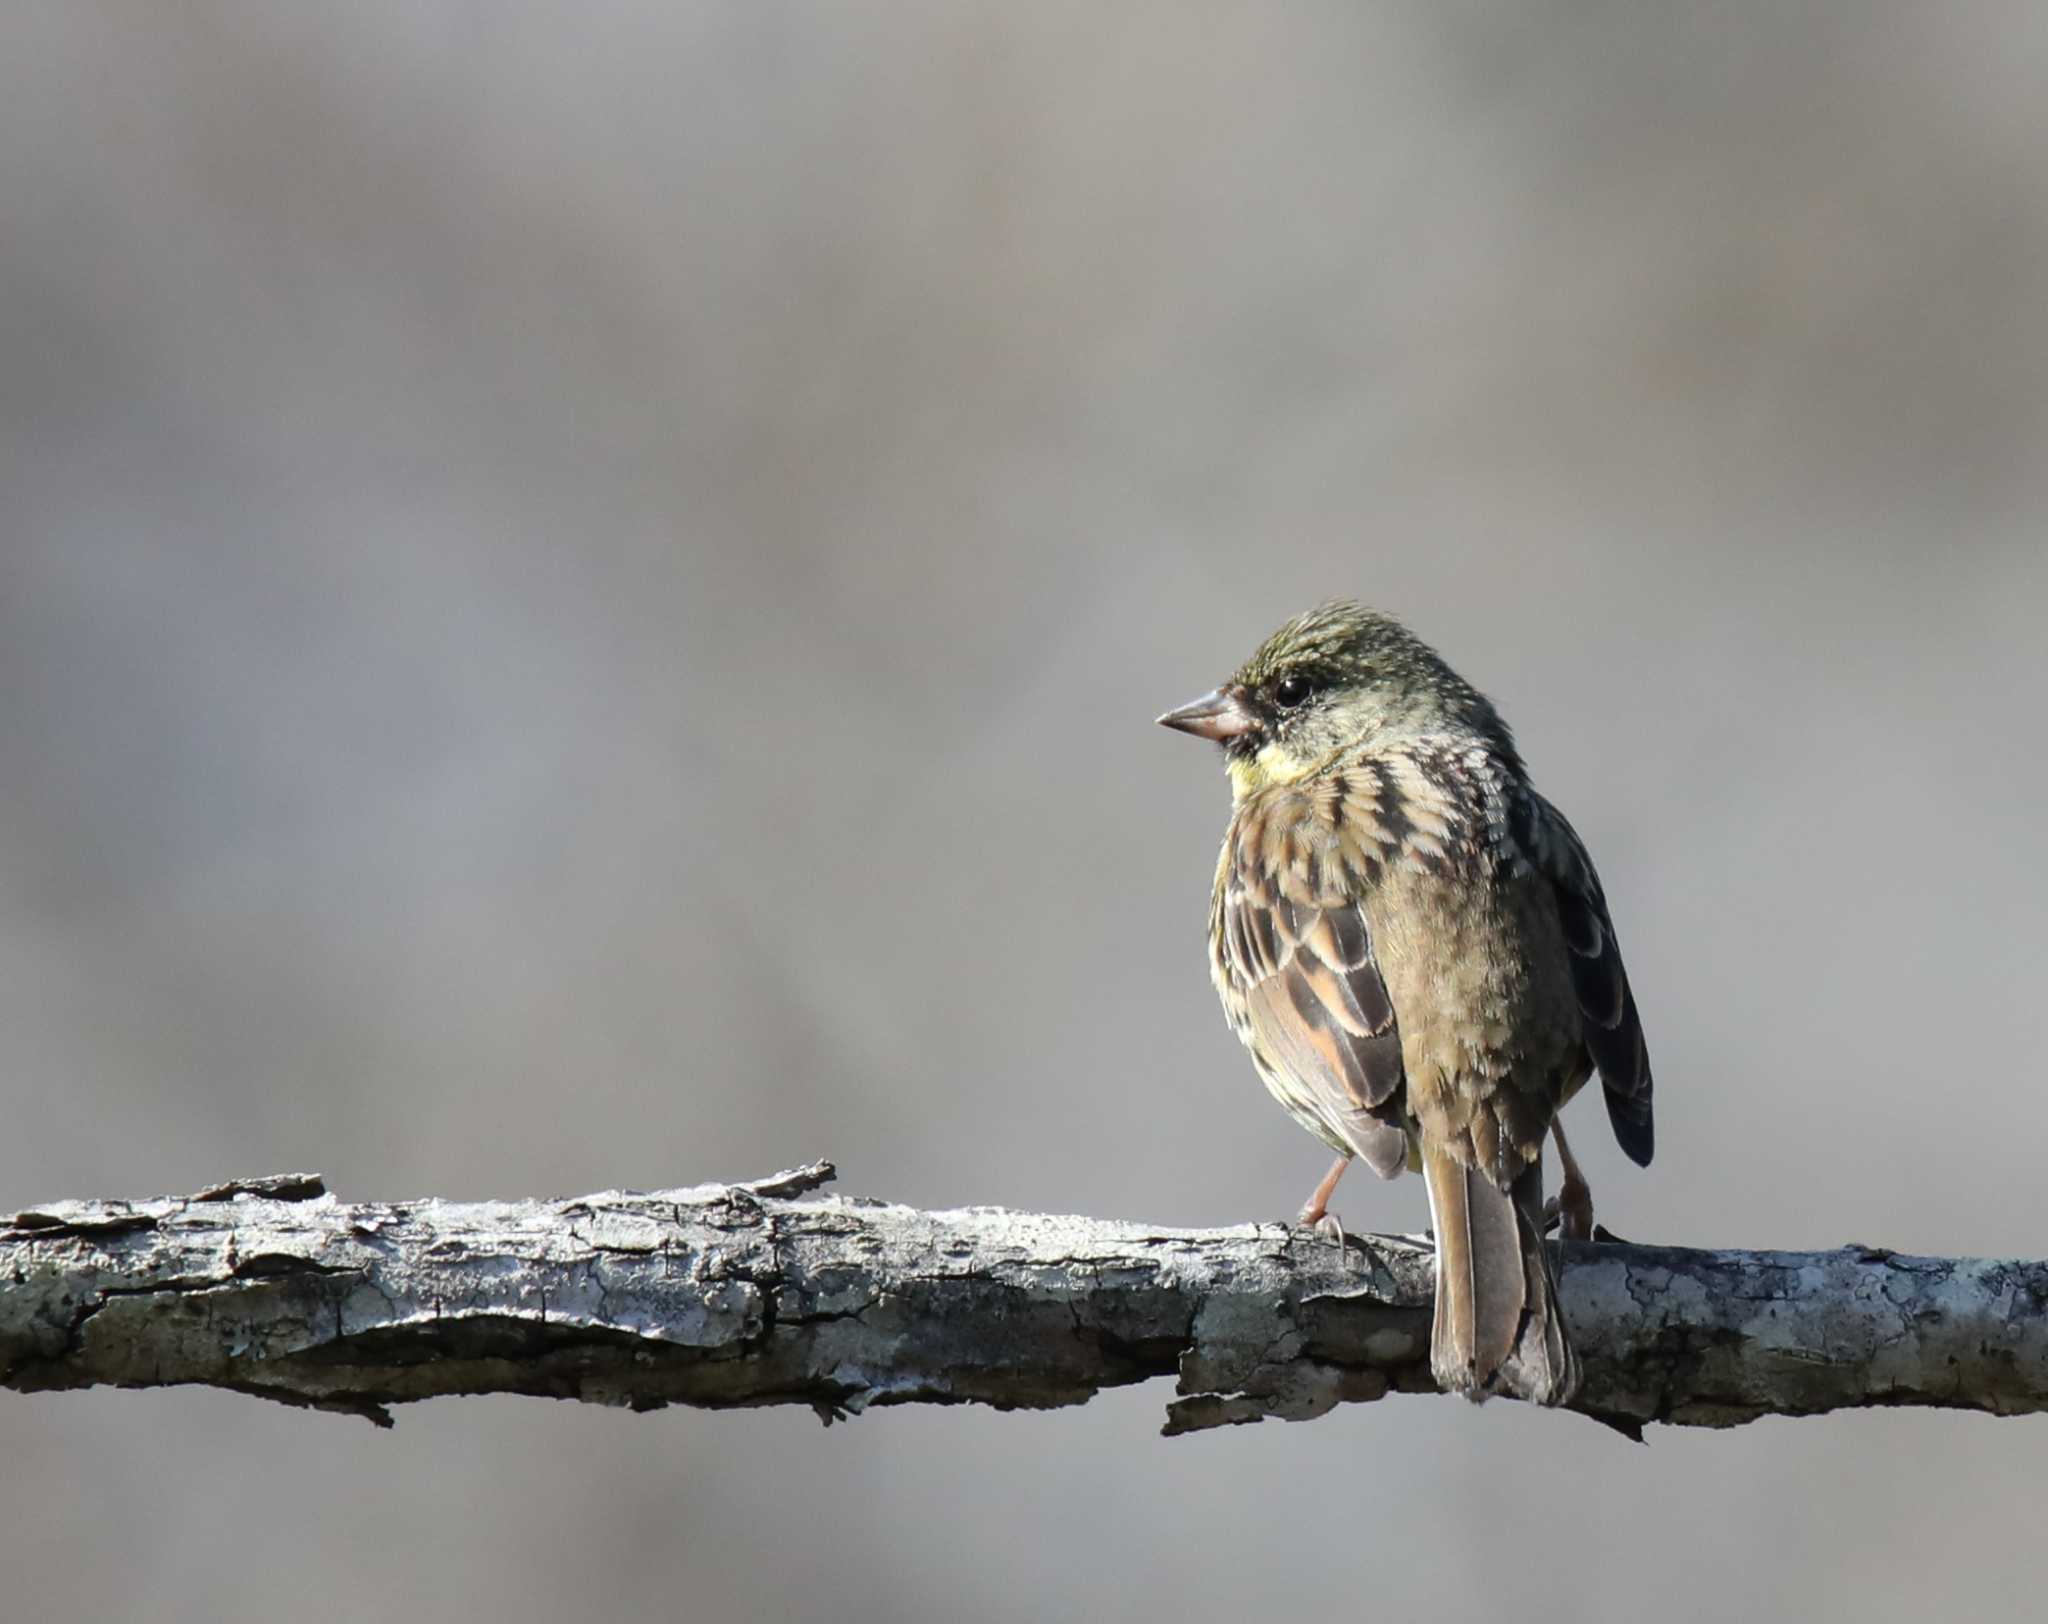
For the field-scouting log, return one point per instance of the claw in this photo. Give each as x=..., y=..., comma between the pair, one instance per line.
x=1330, y=1227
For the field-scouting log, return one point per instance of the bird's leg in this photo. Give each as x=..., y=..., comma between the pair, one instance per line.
x=1317, y=1212
x=1574, y=1194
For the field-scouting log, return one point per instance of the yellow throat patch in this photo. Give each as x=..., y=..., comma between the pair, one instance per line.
x=1272, y=765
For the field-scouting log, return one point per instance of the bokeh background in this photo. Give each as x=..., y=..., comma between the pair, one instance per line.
x=582, y=593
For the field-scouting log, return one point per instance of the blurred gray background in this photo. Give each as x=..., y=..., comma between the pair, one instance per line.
x=582, y=593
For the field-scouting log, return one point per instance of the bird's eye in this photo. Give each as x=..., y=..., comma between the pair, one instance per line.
x=1291, y=691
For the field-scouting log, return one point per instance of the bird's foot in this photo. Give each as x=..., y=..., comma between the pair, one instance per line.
x=1325, y=1223
x=1573, y=1205
x=1330, y=1227
x=1315, y=1211
x=1570, y=1211
x=1553, y=1219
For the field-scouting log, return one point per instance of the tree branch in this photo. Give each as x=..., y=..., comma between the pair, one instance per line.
x=766, y=1293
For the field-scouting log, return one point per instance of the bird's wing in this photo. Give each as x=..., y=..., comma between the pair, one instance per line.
x=1295, y=943
x=1613, y=1031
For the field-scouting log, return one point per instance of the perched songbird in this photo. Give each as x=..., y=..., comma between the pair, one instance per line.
x=1413, y=945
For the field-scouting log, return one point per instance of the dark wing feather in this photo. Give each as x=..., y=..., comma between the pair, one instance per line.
x=1613, y=1030
x=1297, y=945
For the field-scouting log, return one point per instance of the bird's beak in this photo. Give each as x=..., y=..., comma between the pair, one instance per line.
x=1223, y=714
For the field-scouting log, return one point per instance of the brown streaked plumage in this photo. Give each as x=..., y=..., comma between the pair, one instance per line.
x=1414, y=947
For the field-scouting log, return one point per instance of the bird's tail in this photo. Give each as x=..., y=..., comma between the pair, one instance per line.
x=1497, y=1326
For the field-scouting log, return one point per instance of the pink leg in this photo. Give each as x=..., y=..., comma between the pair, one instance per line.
x=1574, y=1194
x=1317, y=1210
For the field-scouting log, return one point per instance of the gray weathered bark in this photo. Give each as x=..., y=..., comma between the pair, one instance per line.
x=766, y=1293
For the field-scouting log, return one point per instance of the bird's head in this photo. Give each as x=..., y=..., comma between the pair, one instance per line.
x=1337, y=677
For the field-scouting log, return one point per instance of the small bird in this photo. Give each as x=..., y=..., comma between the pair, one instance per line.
x=1415, y=949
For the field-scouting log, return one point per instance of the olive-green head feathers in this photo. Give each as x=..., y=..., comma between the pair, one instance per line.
x=1339, y=676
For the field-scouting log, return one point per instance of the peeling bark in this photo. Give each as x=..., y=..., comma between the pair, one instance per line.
x=768, y=1293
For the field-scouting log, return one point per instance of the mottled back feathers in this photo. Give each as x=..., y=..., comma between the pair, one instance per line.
x=1414, y=947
